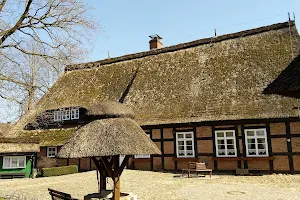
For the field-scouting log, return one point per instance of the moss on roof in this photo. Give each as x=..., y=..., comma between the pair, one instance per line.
x=217, y=79
x=50, y=137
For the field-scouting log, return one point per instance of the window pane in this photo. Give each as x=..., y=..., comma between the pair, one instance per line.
x=180, y=147
x=230, y=147
x=180, y=142
x=261, y=146
x=21, y=161
x=251, y=140
x=220, y=134
x=229, y=134
x=14, y=162
x=262, y=152
x=221, y=152
x=6, y=163
x=230, y=141
x=190, y=142
x=250, y=133
x=252, y=152
x=221, y=142
x=260, y=133
x=188, y=135
x=231, y=152
x=189, y=148
x=181, y=153
x=189, y=153
x=251, y=146
x=180, y=135
x=261, y=140
x=221, y=146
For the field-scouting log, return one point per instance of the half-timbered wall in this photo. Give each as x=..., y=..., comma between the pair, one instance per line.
x=283, y=139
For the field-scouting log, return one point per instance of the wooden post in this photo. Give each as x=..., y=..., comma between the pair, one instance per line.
x=102, y=173
x=116, y=178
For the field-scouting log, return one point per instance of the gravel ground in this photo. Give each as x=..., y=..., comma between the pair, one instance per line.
x=162, y=186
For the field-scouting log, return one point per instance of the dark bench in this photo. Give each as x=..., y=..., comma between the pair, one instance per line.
x=196, y=167
x=10, y=175
x=57, y=195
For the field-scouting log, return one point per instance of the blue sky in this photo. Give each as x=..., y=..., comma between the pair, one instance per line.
x=127, y=24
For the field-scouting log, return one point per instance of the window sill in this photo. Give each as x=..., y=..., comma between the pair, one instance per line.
x=191, y=159
x=243, y=158
x=141, y=159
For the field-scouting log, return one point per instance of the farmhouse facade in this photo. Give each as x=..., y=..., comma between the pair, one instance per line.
x=200, y=100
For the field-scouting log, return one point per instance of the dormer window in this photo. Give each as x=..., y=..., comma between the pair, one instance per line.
x=66, y=114
x=75, y=113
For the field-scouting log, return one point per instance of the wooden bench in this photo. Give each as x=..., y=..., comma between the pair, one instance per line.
x=196, y=167
x=10, y=175
x=57, y=195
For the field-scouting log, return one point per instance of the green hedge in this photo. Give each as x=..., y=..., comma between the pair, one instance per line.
x=57, y=171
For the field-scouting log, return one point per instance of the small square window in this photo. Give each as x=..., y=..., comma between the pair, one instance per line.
x=51, y=152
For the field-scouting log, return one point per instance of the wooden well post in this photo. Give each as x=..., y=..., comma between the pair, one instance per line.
x=109, y=166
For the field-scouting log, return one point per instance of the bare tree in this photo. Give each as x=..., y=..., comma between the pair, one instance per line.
x=37, y=38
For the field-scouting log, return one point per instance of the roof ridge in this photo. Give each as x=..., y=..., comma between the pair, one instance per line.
x=180, y=46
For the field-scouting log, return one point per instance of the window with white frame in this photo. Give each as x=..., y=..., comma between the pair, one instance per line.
x=256, y=142
x=225, y=143
x=66, y=114
x=14, y=162
x=57, y=115
x=51, y=152
x=75, y=113
x=146, y=155
x=185, y=144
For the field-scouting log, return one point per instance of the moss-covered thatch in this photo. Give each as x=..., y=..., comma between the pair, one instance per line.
x=220, y=78
x=108, y=137
x=51, y=137
x=110, y=109
x=288, y=81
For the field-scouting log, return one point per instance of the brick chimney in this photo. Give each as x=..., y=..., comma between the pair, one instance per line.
x=155, y=42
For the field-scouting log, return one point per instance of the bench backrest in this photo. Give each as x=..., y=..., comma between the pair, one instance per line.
x=197, y=165
x=57, y=195
x=200, y=166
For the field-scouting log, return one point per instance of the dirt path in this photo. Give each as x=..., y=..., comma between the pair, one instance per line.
x=161, y=186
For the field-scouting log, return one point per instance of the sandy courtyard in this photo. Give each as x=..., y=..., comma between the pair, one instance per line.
x=160, y=186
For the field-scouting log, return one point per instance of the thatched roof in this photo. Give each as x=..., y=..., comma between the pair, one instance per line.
x=18, y=145
x=288, y=81
x=48, y=137
x=4, y=129
x=108, y=137
x=219, y=78
x=110, y=109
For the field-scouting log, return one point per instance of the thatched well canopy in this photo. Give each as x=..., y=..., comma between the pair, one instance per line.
x=288, y=81
x=110, y=109
x=108, y=137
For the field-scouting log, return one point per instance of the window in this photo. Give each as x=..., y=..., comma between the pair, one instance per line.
x=66, y=114
x=51, y=152
x=256, y=142
x=13, y=162
x=185, y=144
x=57, y=115
x=75, y=113
x=143, y=156
x=225, y=143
